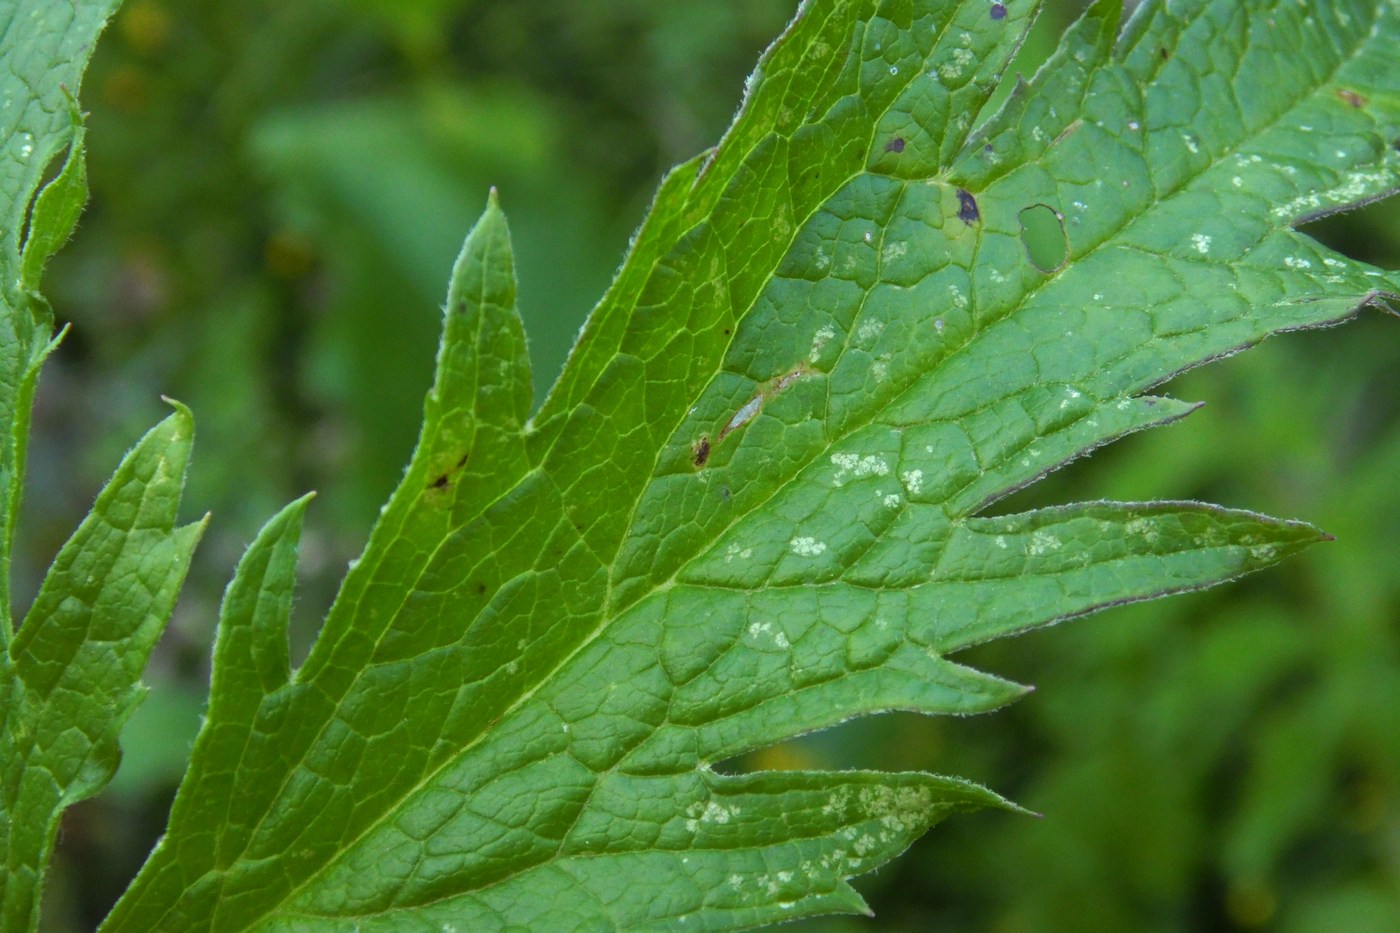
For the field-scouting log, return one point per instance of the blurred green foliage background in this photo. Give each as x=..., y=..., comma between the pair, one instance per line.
x=278, y=192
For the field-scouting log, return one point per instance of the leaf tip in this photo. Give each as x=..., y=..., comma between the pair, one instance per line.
x=181, y=409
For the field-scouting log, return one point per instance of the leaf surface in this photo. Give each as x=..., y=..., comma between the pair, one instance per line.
x=756, y=502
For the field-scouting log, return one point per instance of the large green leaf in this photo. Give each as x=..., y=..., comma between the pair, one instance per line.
x=755, y=504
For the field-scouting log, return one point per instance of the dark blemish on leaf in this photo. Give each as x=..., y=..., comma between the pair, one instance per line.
x=702, y=452
x=1351, y=97
x=967, y=207
x=895, y=145
x=445, y=480
x=998, y=11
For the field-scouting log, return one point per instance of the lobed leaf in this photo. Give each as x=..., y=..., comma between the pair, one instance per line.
x=755, y=503
x=71, y=677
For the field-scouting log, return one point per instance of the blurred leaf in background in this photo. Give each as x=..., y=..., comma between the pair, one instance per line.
x=278, y=193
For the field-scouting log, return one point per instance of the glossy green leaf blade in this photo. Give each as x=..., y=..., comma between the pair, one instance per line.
x=72, y=674
x=750, y=507
x=44, y=47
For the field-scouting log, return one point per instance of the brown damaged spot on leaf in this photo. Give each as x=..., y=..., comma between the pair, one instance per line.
x=754, y=405
x=443, y=480
x=748, y=411
x=1352, y=98
x=1067, y=132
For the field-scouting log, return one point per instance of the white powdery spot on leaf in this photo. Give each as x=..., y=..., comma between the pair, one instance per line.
x=1358, y=186
x=898, y=809
x=854, y=465
x=709, y=812
x=869, y=330
x=1144, y=527
x=953, y=69
x=760, y=631
x=836, y=805
x=1041, y=542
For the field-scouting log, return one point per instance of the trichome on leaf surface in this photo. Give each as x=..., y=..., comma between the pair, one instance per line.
x=752, y=506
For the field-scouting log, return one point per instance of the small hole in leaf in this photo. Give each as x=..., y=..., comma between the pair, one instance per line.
x=1043, y=233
